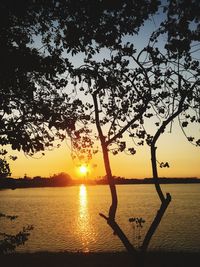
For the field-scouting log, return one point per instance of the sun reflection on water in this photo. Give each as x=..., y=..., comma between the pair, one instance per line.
x=85, y=229
x=83, y=199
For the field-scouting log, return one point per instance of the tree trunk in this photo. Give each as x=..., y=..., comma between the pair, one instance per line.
x=155, y=172
x=155, y=222
x=111, y=182
x=118, y=231
x=164, y=201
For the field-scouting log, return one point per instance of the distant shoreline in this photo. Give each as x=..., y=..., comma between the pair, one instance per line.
x=10, y=183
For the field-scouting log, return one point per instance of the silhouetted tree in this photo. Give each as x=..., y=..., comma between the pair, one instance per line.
x=160, y=81
x=122, y=92
x=117, y=94
x=176, y=72
x=33, y=107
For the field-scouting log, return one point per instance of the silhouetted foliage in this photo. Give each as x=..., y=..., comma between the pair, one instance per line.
x=44, y=95
x=158, y=82
x=33, y=37
x=32, y=105
x=4, y=164
x=4, y=168
x=175, y=67
x=8, y=242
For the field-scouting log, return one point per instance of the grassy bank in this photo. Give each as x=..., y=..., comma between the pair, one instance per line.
x=152, y=259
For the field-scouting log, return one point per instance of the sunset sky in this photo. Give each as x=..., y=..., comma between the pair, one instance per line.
x=183, y=157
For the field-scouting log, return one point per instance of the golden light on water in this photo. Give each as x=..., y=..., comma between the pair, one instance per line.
x=83, y=199
x=85, y=229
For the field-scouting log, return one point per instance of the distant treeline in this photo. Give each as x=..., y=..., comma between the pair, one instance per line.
x=164, y=180
x=63, y=179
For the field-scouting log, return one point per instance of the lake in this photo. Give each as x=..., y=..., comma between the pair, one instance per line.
x=67, y=218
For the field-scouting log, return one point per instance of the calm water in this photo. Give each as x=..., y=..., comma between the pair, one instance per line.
x=67, y=218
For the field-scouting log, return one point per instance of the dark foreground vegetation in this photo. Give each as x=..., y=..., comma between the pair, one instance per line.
x=152, y=259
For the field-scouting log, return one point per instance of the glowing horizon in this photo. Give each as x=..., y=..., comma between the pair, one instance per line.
x=173, y=147
x=183, y=159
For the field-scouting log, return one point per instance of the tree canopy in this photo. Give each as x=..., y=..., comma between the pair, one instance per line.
x=37, y=40
x=72, y=64
x=157, y=82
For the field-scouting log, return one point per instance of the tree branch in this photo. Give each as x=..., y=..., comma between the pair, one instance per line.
x=113, y=207
x=156, y=222
x=120, y=133
x=118, y=231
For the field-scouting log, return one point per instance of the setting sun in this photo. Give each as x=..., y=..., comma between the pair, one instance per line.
x=83, y=169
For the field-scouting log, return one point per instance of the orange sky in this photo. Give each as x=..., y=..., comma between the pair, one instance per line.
x=184, y=160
